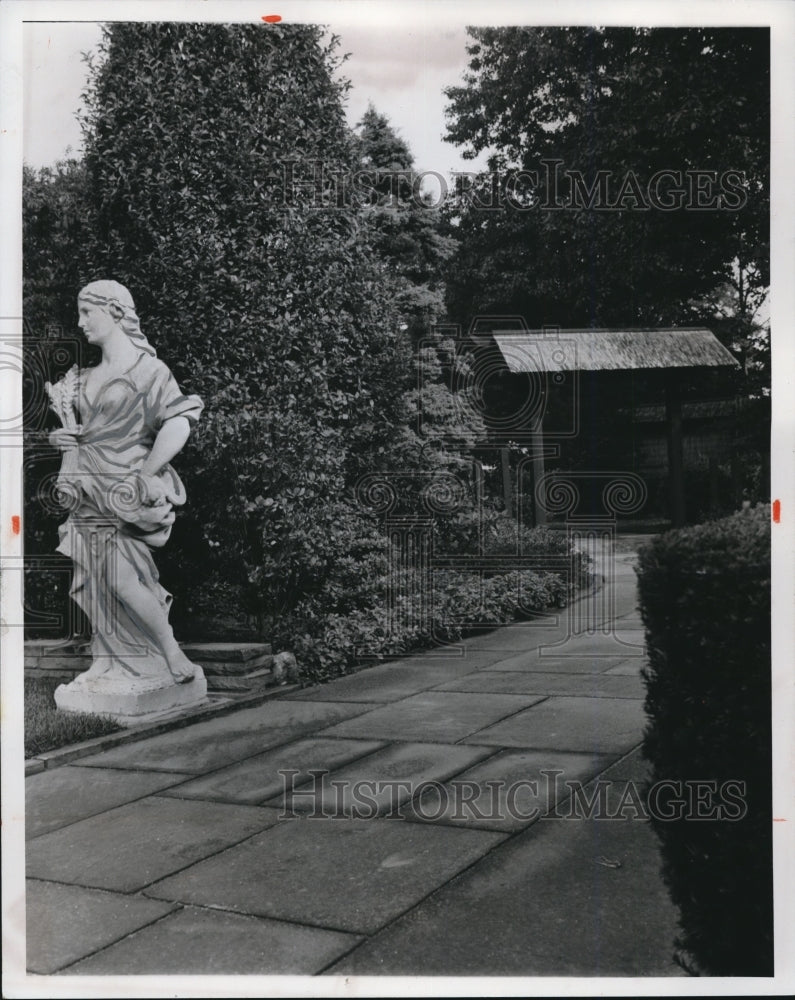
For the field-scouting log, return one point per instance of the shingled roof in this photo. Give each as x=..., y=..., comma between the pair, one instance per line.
x=611, y=350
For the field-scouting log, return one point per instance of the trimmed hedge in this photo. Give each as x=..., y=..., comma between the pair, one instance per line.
x=705, y=603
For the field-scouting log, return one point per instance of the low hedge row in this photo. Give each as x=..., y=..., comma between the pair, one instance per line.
x=705, y=602
x=329, y=644
x=374, y=605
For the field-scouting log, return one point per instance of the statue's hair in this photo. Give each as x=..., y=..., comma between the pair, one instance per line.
x=119, y=303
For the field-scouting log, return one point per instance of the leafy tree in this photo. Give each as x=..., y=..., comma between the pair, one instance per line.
x=408, y=226
x=268, y=306
x=440, y=433
x=733, y=311
x=597, y=114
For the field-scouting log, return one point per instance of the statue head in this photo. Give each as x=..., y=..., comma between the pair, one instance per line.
x=116, y=300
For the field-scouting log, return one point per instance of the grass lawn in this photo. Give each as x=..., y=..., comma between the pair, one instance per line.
x=47, y=729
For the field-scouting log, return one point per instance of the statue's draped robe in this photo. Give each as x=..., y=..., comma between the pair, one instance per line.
x=119, y=427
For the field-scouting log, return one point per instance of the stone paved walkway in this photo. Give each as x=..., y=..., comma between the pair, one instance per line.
x=419, y=826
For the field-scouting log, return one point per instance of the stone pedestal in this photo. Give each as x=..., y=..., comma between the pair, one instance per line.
x=130, y=700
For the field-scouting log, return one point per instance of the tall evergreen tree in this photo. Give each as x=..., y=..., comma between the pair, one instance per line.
x=409, y=236
x=415, y=250
x=266, y=305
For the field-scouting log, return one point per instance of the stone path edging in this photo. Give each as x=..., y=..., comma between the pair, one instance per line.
x=222, y=706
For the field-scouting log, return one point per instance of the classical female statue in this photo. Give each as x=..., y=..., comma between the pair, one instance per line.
x=123, y=420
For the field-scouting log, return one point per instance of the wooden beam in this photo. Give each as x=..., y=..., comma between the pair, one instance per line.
x=676, y=478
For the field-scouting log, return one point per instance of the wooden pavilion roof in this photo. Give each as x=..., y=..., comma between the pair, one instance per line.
x=611, y=350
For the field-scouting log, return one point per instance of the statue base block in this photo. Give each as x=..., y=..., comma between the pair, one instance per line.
x=131, y=701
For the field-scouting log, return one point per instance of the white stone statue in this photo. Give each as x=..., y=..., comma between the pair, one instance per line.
x=123, y=420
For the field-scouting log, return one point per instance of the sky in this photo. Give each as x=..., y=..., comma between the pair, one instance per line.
x=400, y=68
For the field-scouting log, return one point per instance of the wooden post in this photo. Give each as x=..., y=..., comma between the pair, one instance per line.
x=540, y=511
x=480, y=492
x=734, y=473
x=507, y=491
x=714, y=494
x=673, y=413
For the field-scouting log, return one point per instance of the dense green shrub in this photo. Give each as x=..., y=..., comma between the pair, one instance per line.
x=371, y=606
x=705, y=602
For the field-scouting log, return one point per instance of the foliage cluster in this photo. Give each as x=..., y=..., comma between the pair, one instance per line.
x=613, y=102
x=407, y=230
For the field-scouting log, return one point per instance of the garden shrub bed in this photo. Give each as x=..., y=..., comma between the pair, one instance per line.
x=367, y=610
x=705, y=602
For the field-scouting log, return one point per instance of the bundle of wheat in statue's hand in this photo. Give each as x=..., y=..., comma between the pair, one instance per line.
x=63, y=397
x=63, y=402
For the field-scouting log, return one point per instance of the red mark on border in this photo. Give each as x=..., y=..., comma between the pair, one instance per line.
x=15, y=524
x=776, y=512
x=779, y=819
x=272, y=18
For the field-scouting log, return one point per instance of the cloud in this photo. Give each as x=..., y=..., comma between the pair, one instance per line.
x=396, y=58
x=55, y=75
x=401, y=68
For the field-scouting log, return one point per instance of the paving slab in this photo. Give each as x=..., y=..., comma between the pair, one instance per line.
x=378, y=784
x=211, y=942
x=66, y=923
x=508, y=791
x=624, y=598
x=256, y=779
x=542, y=904
x=629, y=668
x=343, y=874
x=586, y=725
x=440, y=716
x=386, y=682
x=239, y=890
x=129, y=847
x=619, y=643
x=630, y=620
x=532, y=661
x=518, y=636
x=226, y=739
x=67, y=794
x=538, y=682
x=632, y=767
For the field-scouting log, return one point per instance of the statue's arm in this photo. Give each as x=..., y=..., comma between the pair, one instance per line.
x=170, y=441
